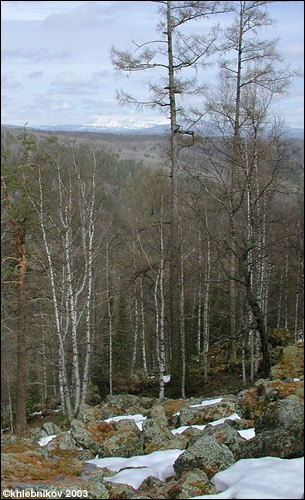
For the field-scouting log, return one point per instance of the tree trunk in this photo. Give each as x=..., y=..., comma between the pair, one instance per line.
x=206, y=306
x=21, y=421
x=182, y=317
x=143, y=327
x=62, y=365
x=110, y=327
x=173, y=249
x=260, y=323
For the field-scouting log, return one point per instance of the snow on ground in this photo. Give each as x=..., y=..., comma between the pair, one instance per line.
x=138, y=418
x=207, y=402
x=45, y=440
x=253, y=478
x=134, y=470
x=267, y=477
x=234, y=416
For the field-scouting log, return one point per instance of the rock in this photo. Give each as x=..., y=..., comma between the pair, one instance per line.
x=153, y=487
x=284, y=413
x=207, y=454
x=125, y=442
x=291, y=363
x=90, y=439
x=156, y=433
x=122, y=491
x=37, y=433
x=124, y=404
x=254, y=400
x=191, y=434
x=51, y=428
x=282, y=443
x=62, y=441
x=204, y=414
x=225, y=434
x=172, y=408
x=279, y=432
x=192, y=483
x=90, y=414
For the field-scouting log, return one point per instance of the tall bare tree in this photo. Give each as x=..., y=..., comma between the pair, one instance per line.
x=72, y=288
x=251, y=78
x=171, y=55
x=15, y=193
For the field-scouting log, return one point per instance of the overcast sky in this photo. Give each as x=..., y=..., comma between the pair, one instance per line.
x=56, y=66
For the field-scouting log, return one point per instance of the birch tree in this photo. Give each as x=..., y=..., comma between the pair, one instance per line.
x=170, y=55
x=71, y=288
x=251, y=79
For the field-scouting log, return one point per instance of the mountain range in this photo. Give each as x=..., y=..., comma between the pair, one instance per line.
x=155, y=129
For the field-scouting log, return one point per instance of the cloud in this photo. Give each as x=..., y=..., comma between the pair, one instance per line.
x=85, y=16
x=60, y=106
x=105, y=14
x=57, y=52
x=35, y=74
x=8, y=82
x=32, y=10
x=69, y=82
x=294, y=50
x=35, y=55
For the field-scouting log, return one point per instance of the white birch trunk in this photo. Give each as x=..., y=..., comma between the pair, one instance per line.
x=279, y=309
x=44, y=372
x=199, y=299
x=109, y=320
x=286, y=290
x=62, y=374
x=136, y=329
x=182, y=316
x=206, y=306
x=162, y=313
x=243, y=361
x=91, y=228
x=143, y=329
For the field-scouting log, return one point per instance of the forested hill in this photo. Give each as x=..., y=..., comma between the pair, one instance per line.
x=118, y=271
x=138, y=147
x=148, y=149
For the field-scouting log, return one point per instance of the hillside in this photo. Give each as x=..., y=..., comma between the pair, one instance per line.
x=148, y=149
x=110, y=450
x=138, y=147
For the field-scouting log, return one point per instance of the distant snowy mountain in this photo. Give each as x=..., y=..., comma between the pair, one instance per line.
x=114, y=127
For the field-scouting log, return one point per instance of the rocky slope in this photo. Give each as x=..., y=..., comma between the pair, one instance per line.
x=274, y=407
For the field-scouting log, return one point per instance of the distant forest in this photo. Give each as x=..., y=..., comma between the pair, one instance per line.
x=96, y=233
x=128, y=260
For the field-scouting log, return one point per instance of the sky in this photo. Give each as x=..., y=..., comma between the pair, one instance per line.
x=259, y=478
x=56, y=66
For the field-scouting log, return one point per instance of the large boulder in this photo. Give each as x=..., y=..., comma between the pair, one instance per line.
x=125, y=442
x=62, y=441
x=279, y=432
x=157, y=434
x=291, y=363
x=254, y=400
x=206, y=454
x=51, y=429
x=93, y=437
x=201, y=414
x=115, y=439
x=124, y=404
x=284, y=413
x=90, y=414
x=226, y=434
x=190, y=484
